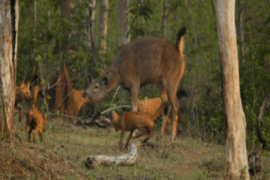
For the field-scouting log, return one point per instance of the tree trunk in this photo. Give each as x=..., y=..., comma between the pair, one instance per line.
x=103, y=21
x=9, y=17
x=65, y=13
x=240, y=29
x=164, y=17
x=90, y=22
x=236, y=165
x=124, y=22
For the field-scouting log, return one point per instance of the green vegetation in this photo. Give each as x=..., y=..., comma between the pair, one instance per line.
x=42, y=42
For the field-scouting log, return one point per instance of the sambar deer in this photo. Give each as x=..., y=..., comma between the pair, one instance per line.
x=130, y=121
x=22, y=93
x=148, y=60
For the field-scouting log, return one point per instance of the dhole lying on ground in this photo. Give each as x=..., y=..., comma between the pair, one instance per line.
x=22, y=93
x=130, y=121
x=152, y=105
x=148, y=60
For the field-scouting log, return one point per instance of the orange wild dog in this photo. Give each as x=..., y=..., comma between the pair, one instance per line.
x=130, y=121
x=152, y=105
x=79, y=99
x=22, y=93
x=148, y=60
x=35, y=121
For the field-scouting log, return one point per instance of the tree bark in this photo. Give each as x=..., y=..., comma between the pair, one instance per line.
x=164, y=17
x=9, y=18
x=124, y=22
x=103, y=21
x=236, y=165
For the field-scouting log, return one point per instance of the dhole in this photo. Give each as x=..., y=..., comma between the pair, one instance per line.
x=148, y=60
x=22, y=93
x=152, y=105
x=130, y=121
x=78, y=98
x=35, y=121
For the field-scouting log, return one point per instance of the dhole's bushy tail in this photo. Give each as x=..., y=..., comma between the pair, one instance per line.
x=180, y=40
x=163, y=108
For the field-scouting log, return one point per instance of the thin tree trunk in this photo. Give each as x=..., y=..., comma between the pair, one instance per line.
x=48, y=43
x=236, y=165
x=164, y=17
x=124, y=22
x=240, y=30
x=90, y=23
x=92, y=39
x=65, y=13
x=103, y=21
x=9, y=15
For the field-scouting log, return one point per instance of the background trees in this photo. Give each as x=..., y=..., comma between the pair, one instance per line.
x=46, y=41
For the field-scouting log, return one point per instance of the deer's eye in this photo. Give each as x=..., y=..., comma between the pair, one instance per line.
x=96, y=87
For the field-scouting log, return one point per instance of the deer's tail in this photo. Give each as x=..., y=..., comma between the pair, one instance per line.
x=180, y=40
x=163, y=109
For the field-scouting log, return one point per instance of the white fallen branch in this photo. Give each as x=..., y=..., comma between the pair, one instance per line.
x=94, y=161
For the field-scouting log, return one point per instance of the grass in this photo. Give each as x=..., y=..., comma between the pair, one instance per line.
x=66, y=146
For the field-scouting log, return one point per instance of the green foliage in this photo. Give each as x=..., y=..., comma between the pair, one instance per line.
x=48, y=39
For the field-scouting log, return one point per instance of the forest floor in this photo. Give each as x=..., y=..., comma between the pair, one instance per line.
x=66, y=146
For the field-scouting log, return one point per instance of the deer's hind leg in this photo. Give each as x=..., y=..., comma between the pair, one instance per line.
x=165, y=120
x=175, y=106
x=134, y=97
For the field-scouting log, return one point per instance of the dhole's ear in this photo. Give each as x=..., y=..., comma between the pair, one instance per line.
x=145, y=99
x=22, y=84
x=28, y=85
x=114, y=115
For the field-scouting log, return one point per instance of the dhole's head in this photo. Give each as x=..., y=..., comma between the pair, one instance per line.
x=142, y=105
x=24, y=91
x=98, y=88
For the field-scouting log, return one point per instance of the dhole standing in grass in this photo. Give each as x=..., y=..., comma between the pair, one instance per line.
x=130, y=121
x=148, y=60
x=35, y=121
x=152, y=105
x=22, y=93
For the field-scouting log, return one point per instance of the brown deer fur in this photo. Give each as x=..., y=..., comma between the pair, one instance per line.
x=22, y=93
x=148, y=60
x=35, y=121
x=130, y=121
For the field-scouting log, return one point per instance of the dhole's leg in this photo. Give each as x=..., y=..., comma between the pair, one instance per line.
x=129, y=137
x=34, y=134
x=142, y=133
x=19, y=108
x=121, y=139
x=40, y=135
x=134, y=98
x=149, y=132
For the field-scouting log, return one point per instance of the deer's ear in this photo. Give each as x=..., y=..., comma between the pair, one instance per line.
x=89, y=78
x=105, y=81
x=22, y=84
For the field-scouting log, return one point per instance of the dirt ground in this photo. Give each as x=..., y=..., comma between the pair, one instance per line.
x=66, y=146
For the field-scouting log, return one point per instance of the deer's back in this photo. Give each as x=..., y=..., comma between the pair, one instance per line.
x=148, y=59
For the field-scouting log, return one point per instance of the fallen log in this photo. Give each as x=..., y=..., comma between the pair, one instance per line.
x=94, y=161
